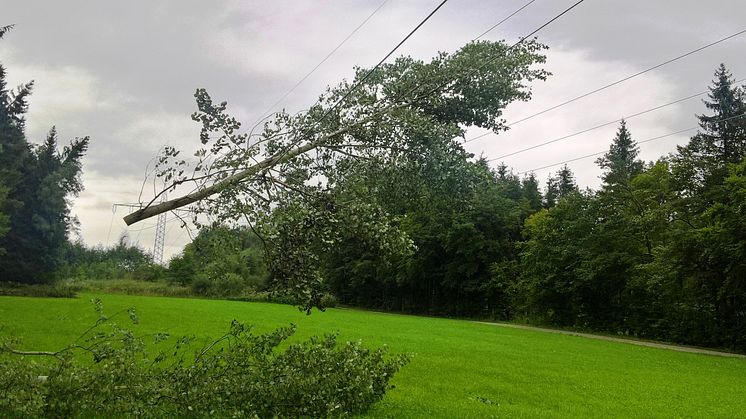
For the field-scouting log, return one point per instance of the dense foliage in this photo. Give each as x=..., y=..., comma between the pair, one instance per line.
x=395, y=214
x=121, y=261
x=301, y=181
x=370, y=195
x=35, y=183
x=109, y=371
x=461, y=217
x=657, y=251
x=220, y=261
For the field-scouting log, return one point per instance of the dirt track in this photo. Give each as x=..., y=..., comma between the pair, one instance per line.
x=622, y=340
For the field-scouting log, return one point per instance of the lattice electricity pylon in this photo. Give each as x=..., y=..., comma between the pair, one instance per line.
x=160, y=228
x=160, y=238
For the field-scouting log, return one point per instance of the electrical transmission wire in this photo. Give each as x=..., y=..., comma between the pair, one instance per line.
x=497, y=56
x=368, y=74
x=605, y=124
x=520, y=41
x=380, y=63
x=503, y=21
x=443, y=85
x=647, y=70
x=638, y=142
x=371, y=71
x=271, y=108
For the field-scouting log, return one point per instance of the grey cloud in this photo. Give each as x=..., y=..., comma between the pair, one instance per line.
x=139, y=62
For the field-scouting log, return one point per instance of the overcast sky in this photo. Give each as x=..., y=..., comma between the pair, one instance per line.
x=124, y=73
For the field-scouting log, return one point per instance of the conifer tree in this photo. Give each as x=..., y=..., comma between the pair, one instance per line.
x=566, y=182
x=724, y=133
x=37, y=181
x=531, y=193
x=701, y=166
x=552, y=193
x=620, y=162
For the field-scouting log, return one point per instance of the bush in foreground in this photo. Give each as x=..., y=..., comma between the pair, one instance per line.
x=108, y=372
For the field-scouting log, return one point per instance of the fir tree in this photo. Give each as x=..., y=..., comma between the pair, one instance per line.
x=566, y=182
x=701, y=166
x=620, y=162
x=724, y=133
x=37, y=181
x=552, y=193
x=531, y=193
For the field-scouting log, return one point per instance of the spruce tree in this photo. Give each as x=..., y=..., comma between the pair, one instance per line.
x=701, y=166
x=531, y=193
x=620, y=162
x=566, y=182
x=724, y=132
x=552, y=193
x=37, y=180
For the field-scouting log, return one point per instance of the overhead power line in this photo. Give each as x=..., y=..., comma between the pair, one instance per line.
x=149, y=211
x=352, y=89
x=313, y=70
x=605, y=124
x=372, y=70
x=367, y=75
x=598, y=153
x=503, y=21
x=638, y=142
x=520, y=41
x=628, y=77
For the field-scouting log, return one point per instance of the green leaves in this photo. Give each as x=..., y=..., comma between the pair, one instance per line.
x=300, y=179
x=240, y=374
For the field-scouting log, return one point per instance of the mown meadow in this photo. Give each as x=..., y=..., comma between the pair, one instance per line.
x=458, y=369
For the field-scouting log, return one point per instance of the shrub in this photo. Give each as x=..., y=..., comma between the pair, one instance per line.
x=133, y=287
x=55, y=290
x=228, y=284
x=150, y=273
x=108, y=372
x=201, y=285
x=328, y=301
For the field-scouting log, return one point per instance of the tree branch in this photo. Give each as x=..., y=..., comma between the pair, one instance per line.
x=153, y=210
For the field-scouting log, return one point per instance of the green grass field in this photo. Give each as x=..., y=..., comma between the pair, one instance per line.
x=459, y=369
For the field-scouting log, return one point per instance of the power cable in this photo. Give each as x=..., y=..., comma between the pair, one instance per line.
x=503, y=21
x=368, y=74
x=520, y=41
x=628, y=77
x=269, y=110
x=372, y=70
x=638, y=142
x=628, y=117
x=605, y=151
x=365, y=77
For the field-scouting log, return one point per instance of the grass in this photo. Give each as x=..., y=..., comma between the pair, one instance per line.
x=460, y=368
x=132, y=287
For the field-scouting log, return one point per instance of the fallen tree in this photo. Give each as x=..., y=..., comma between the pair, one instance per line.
x=300, y=166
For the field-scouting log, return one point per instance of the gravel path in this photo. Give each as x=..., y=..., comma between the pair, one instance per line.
x=622, y=340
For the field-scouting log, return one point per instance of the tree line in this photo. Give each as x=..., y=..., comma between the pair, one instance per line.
x=658, y=251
